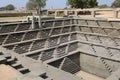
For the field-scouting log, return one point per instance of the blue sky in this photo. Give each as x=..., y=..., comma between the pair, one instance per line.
x=50, y=3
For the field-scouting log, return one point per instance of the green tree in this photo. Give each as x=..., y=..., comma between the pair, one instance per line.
x=103, y=6
x=10, y=7
x=116, y=4
x=2, y=8
x=36, y=5
x=82, y=3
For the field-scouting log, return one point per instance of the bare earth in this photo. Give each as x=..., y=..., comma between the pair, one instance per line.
x=88, y=76
x=11, y=19
x=6, y=73
x=102, y=14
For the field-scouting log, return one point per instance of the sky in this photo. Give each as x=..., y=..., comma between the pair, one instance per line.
x=50, y=3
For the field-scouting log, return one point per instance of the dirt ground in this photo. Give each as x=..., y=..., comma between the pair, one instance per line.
x=11, y=19
x=6, y=73
x=88, y=76
x=99, y=14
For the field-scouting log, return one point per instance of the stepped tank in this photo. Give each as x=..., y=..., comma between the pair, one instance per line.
x=68, y=48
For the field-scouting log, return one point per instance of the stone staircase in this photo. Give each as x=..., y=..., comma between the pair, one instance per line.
x=69, y=66
x=106, y=65
x=16, y=65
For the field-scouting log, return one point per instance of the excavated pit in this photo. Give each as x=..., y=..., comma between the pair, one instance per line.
x=87, y=48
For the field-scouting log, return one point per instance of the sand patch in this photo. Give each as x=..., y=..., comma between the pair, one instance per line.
x=88, y=76
x=6, y=72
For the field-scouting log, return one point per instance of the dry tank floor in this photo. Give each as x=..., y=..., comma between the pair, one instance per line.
x=6, y=73
x=88, y=76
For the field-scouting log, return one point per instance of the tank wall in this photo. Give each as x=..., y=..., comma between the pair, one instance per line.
x=93, y=65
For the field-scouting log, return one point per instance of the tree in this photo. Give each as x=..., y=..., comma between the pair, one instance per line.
x=82, y=3
x=103, y=6
x=2, y=8
x=116, y=4
x=9, y=7
x=36, y=5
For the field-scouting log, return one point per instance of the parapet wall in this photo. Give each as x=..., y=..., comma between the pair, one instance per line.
x=93, y=12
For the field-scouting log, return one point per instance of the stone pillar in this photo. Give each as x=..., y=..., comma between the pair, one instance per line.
x=76, y=13
x=39, y=21
x=33, y=21
x=93, y=13
x=47, y=13
x=66, y=12
x=56, y=13
x=116, y=14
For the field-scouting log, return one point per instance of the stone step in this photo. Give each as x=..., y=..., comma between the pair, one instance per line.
x=1, y=53
x=11, y=61
x=17, y=66
x=24, y=70
x=2, y=59
x=8, y=56
x=69, y=66
x=106, y=65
